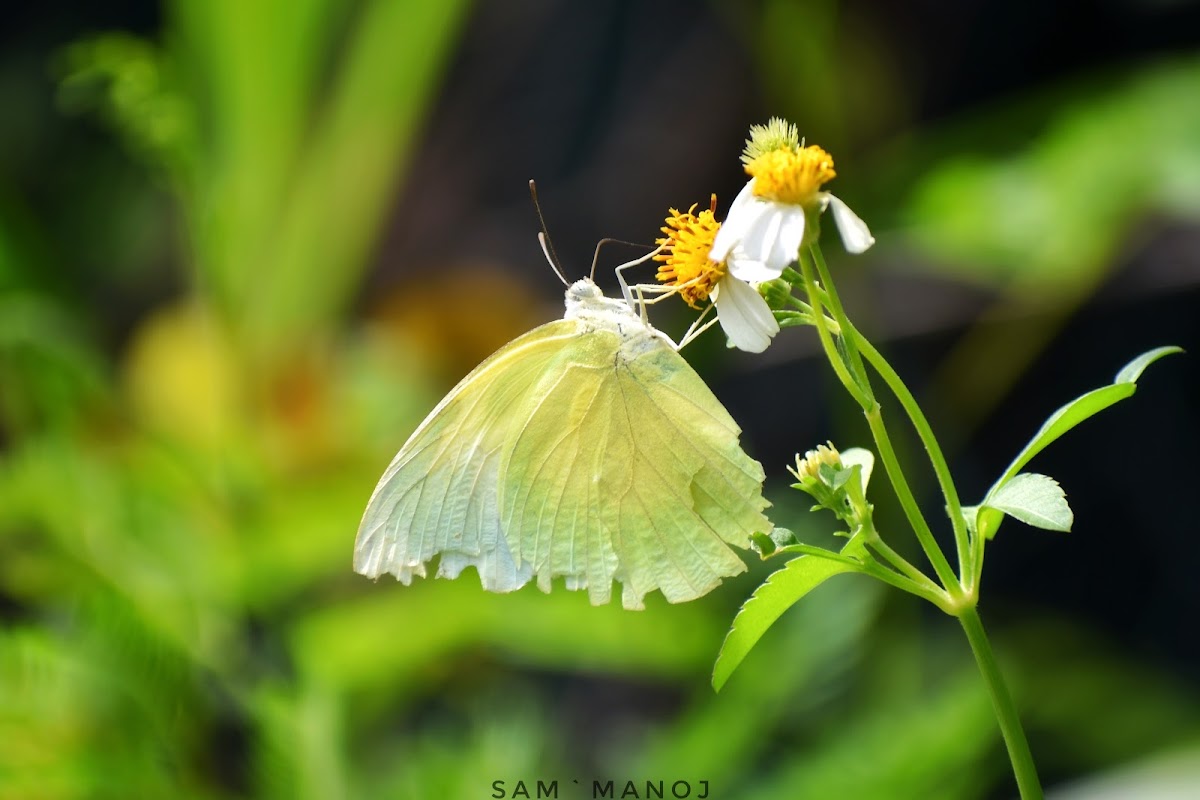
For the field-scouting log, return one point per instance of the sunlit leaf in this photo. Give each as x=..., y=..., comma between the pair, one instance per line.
x=1134, y=369
x=1036, y=500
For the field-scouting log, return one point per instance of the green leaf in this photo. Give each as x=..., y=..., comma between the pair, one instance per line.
x=1086, y=406
x=1066, y=418
x=777, y=594
x=1036, y=500
x=1133, y=370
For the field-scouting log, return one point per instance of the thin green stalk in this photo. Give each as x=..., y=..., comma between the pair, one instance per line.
x=1006, y=711
x=916, y=519
x=831, y=352
x=977, y=548
x=839, y=314
x=925, y=432
x=902, y=564
x=883, y=441
x=970, y=553
x=925, y=588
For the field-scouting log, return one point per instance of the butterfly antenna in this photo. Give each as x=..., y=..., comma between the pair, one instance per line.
x=602, y=242
x=544, y=237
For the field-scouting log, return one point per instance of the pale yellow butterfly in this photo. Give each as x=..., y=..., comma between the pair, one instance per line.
x=587, y=448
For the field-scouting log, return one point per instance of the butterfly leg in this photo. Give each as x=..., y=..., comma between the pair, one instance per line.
x=639, y=260
x=696, y=328
x=643, y=289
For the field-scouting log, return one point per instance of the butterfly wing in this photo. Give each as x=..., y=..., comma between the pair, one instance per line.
x=440, y=493
x=628, y=467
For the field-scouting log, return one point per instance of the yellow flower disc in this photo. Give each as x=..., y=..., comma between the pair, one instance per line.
x=791, y=176
x=689, y=237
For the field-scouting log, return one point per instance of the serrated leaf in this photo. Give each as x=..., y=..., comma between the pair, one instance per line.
x=1036, y=500
x=777, y=594
x=1066, y=418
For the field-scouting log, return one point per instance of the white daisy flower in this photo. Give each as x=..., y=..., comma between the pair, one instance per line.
x=688, y=265
x=773, y=214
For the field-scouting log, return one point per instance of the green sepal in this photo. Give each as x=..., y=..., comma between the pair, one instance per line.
x=792, y=319
x=763, y=543
x=777, y=293
x=836, y=478
x=769, y=544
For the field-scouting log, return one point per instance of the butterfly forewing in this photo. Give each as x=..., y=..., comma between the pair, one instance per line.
x=440, y=493
x=555, y=488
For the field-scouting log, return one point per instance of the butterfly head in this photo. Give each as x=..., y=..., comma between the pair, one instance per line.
x=584, y=299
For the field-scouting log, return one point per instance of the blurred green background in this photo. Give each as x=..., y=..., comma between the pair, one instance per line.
x=245, y=247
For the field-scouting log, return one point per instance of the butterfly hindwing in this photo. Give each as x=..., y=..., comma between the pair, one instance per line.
x=650, y=484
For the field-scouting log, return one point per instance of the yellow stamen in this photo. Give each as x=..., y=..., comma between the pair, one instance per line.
x=686, y=265
x=808, y=466
x=791, y=176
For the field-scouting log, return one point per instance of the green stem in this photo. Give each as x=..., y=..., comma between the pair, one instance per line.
x=976, y=563
x=902, y=564
x=839, y=314
x=925, y=432
x=926, y=589
x=1006, y=711
x=920, y=586
x=908, y=501
x=831, y=351
x=883, y=441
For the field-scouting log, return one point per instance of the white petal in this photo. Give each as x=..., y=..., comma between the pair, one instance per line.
x=745, y=316
x=791, y=234
x=855, y=234
x=745, y=268
x=734, y=227
x=861, y=457
x=758, y=242
x=752, y=229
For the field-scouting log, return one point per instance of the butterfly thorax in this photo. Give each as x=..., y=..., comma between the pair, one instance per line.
x=586, y=303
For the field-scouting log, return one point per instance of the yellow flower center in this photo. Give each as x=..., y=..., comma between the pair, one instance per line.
x=809, y=466
x=686, y=265
x=791, y=176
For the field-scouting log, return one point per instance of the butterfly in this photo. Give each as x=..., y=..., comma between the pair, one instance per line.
x=586, y=449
